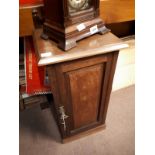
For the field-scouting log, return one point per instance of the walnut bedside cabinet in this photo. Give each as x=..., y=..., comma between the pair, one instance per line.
x=81, y=81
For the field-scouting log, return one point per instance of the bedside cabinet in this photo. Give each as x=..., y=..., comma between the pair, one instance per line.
x=81, y=81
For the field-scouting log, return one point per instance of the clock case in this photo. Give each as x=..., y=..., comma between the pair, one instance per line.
x=61, y=26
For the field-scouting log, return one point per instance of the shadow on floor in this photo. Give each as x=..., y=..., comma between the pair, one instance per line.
x=39, y=122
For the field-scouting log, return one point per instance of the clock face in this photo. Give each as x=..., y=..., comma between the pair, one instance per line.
x=78, y=5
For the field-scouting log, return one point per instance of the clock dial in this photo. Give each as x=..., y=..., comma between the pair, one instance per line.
x=77, y=5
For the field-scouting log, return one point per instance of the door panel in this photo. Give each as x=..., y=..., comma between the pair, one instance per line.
x=82, y=90
x=85, y=92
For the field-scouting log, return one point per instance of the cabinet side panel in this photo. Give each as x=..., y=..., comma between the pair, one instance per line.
x=85, y=87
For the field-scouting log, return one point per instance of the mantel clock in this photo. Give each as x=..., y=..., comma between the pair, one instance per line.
x=67, y=21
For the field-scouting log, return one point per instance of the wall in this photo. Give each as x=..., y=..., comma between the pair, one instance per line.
x=125, y=69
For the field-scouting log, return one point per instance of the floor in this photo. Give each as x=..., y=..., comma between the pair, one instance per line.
x=39, y=134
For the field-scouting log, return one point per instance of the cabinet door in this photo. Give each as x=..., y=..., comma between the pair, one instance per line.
x=83, y=89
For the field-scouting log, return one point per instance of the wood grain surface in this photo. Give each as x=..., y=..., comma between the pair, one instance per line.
x=114, y=11
x=94, y=45
x=82, y=87
x=26, y=25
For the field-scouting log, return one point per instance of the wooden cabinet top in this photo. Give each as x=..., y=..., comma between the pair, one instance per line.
x=48, y=52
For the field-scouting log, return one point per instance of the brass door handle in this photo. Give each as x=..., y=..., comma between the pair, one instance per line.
x=63, y=116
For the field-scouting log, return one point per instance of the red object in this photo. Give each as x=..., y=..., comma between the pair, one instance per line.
x=30, y=2
x=35, y=76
